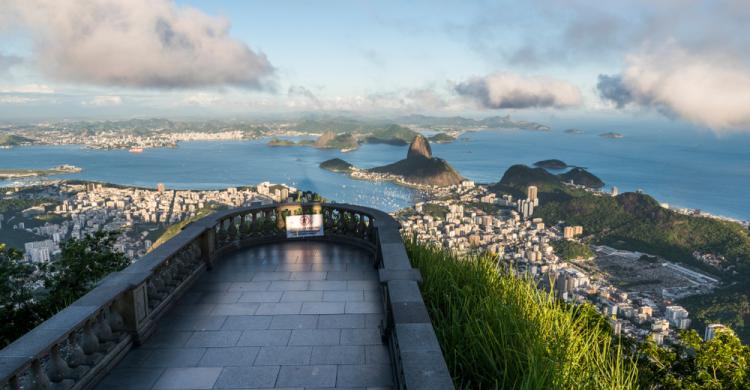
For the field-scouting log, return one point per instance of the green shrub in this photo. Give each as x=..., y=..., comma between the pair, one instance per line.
x=500, y=331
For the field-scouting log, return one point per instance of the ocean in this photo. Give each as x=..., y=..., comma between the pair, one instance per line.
x=696, y=170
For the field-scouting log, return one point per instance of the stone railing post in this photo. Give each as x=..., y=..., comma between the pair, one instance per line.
x=208, y=247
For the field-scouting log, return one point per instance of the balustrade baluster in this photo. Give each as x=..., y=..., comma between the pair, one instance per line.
x=38, y=379
x=90, y=343
x=13, y=383
x=102, y=330
x=116, y=322
x=57, y=369
x=76, y=356
x=244, y=227
x=232, y=230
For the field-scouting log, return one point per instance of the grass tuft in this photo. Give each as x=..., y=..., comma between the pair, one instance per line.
x=499, y=331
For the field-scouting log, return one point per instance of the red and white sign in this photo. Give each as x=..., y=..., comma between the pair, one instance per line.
x=308, y=225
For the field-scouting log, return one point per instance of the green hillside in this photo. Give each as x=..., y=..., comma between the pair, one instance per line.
x=582, y=177
x=498, y=331
x=393, y=134
x=635, y=221
x=14, y=140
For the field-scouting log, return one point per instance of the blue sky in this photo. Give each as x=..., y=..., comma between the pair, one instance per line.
x=684, y=61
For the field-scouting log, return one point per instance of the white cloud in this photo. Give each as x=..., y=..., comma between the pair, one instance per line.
x=15, y=99
x=709, y=90
x=101, y=101
x=29, y=88
x=508, y=90
x=201, y=99
x=136, y=43
x=395, y=101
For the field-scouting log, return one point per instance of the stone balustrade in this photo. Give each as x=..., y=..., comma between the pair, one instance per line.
x=78, y=346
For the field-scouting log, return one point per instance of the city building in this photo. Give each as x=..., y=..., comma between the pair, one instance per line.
x=713, y=329
x=677, y=316
x=532, y=195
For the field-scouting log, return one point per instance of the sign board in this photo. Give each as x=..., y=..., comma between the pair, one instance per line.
x=308, y=225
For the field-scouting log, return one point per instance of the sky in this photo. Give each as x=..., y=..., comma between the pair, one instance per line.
x=684, y=62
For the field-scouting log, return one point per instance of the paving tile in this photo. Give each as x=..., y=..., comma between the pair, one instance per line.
x=363, y=307
x=261, y=296
x=308, y=376
x=229, y=356
x=328, y=285
x=166, y=339
x=249, y=286
x=214, y=338
x=302, y=296
x=194, y=322
x=283, y=356
x=338, y=354
x=323, y=308
x=279, y=308
x=235, y=309
x=135, y=357
x=191, y=297
x=370, y=375
x=347, y=275
x=315, y=337
x=247, y=377
x=257, y=267
x=343, y=296
x=294, y=321
x=308, y=276
x=193, y=309
x=174, y=357
x=261, y=338
x=235, y=277
x=377, y=354
x=294, y=267
x=220, y=297
x=202, y=285
x=341, y=321
x=324, y=267
x=246, y=322
x=363, y=285
x=188, y=378
x=289, y=285
x=367, y=266
x=266, y=276
x=374, y=296
x=373, y=320
x=130, y=378
x=367, y=336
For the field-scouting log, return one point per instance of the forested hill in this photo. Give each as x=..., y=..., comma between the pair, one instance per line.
x=636, y=221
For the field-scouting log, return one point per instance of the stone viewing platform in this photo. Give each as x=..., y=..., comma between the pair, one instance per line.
x=297, y=314
x=231, y=302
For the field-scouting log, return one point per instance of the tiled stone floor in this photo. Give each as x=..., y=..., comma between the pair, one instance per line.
x=292, y=315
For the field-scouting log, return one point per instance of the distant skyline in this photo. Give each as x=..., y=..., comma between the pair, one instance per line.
x=662, y=61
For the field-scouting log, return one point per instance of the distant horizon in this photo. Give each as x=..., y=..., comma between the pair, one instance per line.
x=540, y=60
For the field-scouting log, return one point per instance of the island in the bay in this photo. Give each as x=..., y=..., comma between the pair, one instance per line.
x=418, y=169
x=573, y=131
x=611, y=135
x=26, y=173
x=336, y=165
x=551, y=164
x=443, y=138
x=11, y=140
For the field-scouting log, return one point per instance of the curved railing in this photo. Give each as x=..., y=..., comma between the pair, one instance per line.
x=79, y=345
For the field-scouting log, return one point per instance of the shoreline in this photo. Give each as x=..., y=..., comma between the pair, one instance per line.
x=17, y=153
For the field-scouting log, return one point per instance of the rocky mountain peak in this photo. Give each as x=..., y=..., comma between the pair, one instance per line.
x=420, y=147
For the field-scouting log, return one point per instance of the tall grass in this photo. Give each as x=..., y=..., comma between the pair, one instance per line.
x=500, y=331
